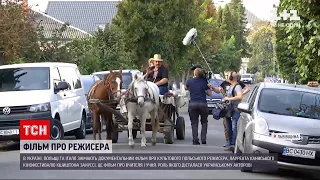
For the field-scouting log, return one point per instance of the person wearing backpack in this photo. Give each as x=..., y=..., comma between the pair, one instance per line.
x=223, y=89
x=234, y=96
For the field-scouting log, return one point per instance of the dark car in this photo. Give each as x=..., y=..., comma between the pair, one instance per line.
x=87, y=81
x=215, y=98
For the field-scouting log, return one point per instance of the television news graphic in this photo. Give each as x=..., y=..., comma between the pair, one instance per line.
x=35, y=129
x=66, y=146
x=147, y=161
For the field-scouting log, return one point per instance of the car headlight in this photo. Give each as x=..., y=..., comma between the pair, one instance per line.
x=40, y=107
x=259, y=126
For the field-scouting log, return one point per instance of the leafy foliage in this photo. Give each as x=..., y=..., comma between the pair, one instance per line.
x=299, y=45
x=262, y=49
x=153, y=28
x=229, y=57
x=16, y=31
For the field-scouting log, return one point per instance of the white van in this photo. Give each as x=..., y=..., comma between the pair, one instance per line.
x=248, y=78
x=42, y=91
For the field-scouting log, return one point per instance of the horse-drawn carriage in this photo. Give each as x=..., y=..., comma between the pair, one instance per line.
x=169, y=120
x=141, y=108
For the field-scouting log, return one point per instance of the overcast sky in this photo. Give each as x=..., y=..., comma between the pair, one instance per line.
x=260, y=8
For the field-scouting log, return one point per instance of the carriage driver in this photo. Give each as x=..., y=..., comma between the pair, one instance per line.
x=158, y=74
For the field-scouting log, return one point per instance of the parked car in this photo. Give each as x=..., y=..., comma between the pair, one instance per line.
x=218, y=76
x=87, y=81
x=215, y=98
x=268, y=80
x=248, y=78
x=33, y=91
x=281, y=108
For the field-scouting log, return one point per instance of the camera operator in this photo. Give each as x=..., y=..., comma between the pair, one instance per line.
x=198, y=87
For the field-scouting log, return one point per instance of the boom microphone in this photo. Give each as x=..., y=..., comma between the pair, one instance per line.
x=191, y=35
x=190, y=38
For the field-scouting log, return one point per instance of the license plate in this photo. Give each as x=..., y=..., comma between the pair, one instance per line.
x=9, y=132
x=211, y=105
x=302, y=153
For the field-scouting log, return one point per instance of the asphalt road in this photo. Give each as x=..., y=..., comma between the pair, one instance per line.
x=9, y=160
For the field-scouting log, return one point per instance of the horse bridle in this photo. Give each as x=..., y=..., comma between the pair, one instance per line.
x=106, y=82
x=133, y=98
x=143, y=96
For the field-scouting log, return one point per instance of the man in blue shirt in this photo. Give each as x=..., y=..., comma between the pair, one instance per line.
x=198, y=88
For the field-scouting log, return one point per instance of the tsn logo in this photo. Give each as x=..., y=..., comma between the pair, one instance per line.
x=35, y=129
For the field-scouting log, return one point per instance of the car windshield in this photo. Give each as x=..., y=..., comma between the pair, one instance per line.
x=126, y=78
x=290, y=103
x=87, y=83
x=246, y=76
x=215, y=82
x=24, y=78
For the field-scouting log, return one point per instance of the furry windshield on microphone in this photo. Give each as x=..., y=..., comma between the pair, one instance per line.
x=191, y=35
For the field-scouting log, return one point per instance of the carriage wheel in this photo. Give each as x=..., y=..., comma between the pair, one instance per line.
x=180, y=128
x=134, y=133
x=168, y=133
x=115, y=134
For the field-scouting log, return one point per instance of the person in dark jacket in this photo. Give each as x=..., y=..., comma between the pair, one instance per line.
x=158, y=74
x=198, y=88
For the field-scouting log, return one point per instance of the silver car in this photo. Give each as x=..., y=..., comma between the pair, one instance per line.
x=272, y=109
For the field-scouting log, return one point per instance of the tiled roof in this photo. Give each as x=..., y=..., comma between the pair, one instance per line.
x=86, y=15
x=89, y=15
x=50, y=24
x=251, y=18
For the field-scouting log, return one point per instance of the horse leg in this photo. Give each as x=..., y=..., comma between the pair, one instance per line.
x=154, y=123
x=95, y=126
x=99, y=126
x=143, y=119
x=109, y=125
x=130, y=127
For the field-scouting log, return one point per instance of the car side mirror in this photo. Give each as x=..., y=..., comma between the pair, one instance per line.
x=61, y=86
x=244, y=107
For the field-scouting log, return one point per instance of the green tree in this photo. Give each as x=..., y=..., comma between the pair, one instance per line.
x=298, y=46
x=17, y=32
x=85, y=54
x=262, y=46
x=219, y=18
x=151, y=27
x=226, y=25
x=239, y=25
x=111, y=46
x=228, y=57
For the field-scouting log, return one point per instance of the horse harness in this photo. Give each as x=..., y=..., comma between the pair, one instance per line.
x=130, y=97
x=111, y=94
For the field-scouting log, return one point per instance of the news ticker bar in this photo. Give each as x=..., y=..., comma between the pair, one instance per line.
x=66, y=146
x=146, y=161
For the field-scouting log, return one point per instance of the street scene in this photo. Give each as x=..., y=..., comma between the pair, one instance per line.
x=9, y=157
x=238, y=77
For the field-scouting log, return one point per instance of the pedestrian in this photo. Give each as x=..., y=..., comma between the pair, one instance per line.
x=223, y=89
x=234, y=96
x=198, y=88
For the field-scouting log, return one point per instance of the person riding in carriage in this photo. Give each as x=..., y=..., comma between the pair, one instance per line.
x=158, y=73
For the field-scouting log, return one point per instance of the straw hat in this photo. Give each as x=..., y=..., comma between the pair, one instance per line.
x=156, y=57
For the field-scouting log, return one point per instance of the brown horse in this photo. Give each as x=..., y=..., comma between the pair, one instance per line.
x=108, y=92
